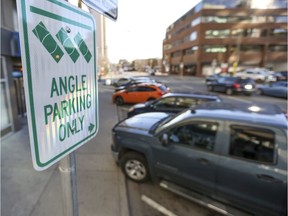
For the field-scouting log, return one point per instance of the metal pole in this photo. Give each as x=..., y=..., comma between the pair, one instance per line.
x=67, y=168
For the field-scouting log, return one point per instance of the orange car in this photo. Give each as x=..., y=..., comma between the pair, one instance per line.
x=139, y=93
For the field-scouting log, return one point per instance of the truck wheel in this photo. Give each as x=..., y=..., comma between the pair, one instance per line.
x=119, y=101
x=134, y=166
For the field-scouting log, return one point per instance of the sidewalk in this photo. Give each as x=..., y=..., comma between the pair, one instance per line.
x=26, y=192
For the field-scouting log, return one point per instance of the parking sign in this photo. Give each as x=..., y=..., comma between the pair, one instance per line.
x=58, y=49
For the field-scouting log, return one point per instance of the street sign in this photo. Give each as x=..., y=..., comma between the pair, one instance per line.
x=108, y=8
x=58, y=48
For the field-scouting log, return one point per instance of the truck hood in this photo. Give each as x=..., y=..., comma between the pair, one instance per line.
x=143, y=121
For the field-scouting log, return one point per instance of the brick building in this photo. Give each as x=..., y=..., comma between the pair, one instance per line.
x=248, y=33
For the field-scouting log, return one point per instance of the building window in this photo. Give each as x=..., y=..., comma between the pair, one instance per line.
x=251, y=48
x=281, y=19
x=279, y=32
x=176, y=54
x=278, y=48
x=217, y=33
x=252, y=32
x=178, y=42
x=252, y=143
x=196, y=21
x=258, y=19
x=214, y=19
x=215, y=49
x=249, y=32
x=167, y=46
x=191, y=50
x=236, y=32
x=190, y=69
x=198, y=7
x=193, y=36
x=239, y=19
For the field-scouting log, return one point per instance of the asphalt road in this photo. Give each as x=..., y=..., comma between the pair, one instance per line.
x=150, y=199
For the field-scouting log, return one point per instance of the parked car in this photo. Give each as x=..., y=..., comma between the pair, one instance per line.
x=281, y=75
x=214, y=77
x=139, y=93
x=236, y=155
x=123, y=83
x=172, y=103
x=257, y=74
x=232, y=85
x=277, y=89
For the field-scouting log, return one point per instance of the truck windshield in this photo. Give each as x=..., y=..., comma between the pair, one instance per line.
x=171, y=120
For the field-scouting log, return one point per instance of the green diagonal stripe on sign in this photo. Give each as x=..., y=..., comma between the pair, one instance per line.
x=48, y=41
x=83, y=47
x=62, y=36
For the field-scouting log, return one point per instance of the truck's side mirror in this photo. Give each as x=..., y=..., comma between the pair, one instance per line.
x=165, y=139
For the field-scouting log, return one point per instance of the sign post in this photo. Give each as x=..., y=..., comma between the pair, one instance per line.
x=58, y=48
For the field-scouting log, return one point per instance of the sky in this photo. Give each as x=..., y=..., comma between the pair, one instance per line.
x=141, y=26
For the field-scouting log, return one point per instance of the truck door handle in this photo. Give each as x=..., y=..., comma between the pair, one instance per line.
x=267, y=178
x=203, y=161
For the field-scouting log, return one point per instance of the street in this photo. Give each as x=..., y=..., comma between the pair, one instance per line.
x=150, y=199
x=102, y=188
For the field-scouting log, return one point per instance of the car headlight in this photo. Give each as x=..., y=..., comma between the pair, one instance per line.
x=248, y=87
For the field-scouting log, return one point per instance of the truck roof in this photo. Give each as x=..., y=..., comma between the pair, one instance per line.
x=253, y=113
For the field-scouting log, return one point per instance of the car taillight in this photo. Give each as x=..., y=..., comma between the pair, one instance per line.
x=236, y=85
x=161, y=93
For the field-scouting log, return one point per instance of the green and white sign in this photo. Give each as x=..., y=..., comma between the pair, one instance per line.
x=58, y=49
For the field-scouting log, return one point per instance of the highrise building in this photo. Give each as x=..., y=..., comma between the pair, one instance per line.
x=220, y=34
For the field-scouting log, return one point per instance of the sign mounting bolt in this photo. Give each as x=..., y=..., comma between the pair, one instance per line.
x=67, y=29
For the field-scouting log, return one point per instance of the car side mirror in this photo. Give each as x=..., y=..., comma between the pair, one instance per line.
x=164, y=139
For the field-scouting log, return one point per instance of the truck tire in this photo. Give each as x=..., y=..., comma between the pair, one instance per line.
x=135, y=167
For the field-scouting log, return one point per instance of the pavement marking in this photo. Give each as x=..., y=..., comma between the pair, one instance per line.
x=157, y=206
x=238, y=99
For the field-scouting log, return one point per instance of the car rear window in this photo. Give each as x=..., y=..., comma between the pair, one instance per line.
x=243, y=81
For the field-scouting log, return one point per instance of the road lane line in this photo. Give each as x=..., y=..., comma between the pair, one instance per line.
x=238, y=99
x=157, y=206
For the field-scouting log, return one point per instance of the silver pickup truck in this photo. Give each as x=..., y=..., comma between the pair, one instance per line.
x=232, y=156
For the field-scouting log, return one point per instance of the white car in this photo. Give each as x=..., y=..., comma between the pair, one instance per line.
x=257, y=74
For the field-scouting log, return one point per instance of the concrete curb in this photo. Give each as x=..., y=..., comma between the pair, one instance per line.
x=123, y=198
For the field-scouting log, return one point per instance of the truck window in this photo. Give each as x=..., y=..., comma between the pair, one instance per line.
x=252, y=143
x=199, y=135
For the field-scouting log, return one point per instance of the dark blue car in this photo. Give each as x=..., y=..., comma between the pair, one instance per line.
x=172, y=103
x=277, y=89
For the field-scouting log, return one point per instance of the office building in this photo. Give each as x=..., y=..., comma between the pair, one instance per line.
x=216, y=35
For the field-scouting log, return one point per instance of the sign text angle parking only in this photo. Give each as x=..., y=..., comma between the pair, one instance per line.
x=58, y=49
